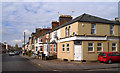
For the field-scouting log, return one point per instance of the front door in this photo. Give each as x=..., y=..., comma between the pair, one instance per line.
x=77, y=52
x=45, y=49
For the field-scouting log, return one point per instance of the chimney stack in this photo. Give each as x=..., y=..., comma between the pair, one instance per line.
x=55, y=24
x=64, y=18
x=116, y=19
x=38, y=30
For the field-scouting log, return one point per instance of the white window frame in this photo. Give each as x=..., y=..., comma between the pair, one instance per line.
x=69, y=31
x=114, y=46
x=40, y=39
x=47, y=35
x=51, y=48
x=55, y=34
x=91, y=47
x=93, y=29
x=111, y=29
x=54, y=47
x=67, y=47
x=36, y=49
x=63, y=47
x=40, y=49
x=66, y=31
x=100, y=47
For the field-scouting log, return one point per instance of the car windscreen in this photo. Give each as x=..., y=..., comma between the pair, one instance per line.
x=102, y=54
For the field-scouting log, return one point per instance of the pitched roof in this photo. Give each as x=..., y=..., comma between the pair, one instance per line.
x=86, y=18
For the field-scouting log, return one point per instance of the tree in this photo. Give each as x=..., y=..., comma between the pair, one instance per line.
x=16, y=46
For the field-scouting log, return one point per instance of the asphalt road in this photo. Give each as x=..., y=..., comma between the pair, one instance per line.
x=17, y=63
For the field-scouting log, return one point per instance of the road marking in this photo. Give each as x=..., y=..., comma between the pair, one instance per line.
x=55, y=70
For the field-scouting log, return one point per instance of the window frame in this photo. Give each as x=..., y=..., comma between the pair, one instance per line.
x=54, y=47
x=41, y=48
x=69, y=31
x=111, y=30
x=114, y=47
x=100, y=47
x=91, y=46
x=67, y=47
x=93, y=29
x=50, y=47
x=63, y=47
x=66, y=31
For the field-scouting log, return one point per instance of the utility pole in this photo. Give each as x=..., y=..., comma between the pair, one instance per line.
x=24, y=42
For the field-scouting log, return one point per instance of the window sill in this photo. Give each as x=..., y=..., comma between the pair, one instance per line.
x=91, y=52
x=68, y=51
x=99, y=51
x=63, y=51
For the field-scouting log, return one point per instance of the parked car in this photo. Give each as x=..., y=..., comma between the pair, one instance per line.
x=11, y=53
x=16, y=52
x=109, y=57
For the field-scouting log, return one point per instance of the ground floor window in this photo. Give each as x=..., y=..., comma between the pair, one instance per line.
x=51, y=47
x=67, y=47
x=114, y=47
x=54, y=48
x=36, y=48
x=99, y=46
x=41, y=48
x=63, y=47
x=90, y=47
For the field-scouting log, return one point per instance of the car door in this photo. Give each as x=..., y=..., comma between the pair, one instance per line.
x=113, y=57
x=118, y=57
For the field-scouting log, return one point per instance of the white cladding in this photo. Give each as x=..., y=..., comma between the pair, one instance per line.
x=52, y=35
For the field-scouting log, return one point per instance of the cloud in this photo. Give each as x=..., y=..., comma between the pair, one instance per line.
x=18, y=17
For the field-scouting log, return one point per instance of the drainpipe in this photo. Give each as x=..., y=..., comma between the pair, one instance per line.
x=108, y=42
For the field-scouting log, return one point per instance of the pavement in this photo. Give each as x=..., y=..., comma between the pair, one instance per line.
x=57, y=65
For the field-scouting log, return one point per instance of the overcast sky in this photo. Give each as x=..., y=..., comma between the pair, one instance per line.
x=18, y=17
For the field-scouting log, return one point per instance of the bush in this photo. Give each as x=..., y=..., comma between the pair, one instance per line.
x=29, y=53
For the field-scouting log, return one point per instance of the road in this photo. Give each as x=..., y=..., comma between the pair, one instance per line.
x=17, y=63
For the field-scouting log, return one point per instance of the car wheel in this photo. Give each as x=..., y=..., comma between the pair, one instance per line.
x=109, y=62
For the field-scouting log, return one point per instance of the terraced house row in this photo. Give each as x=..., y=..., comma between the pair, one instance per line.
x=81, y=39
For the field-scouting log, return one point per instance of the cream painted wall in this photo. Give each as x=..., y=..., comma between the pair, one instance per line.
x=94, y=55
x=84, y=28
x=100, y=29
x=74, y=28
x=66, y=55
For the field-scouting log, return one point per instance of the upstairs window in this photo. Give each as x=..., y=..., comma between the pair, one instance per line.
x=66, y=30
x=69, y=31
x=92, y=28
x=99, y=46
x=90, y=47
x=40, y=39
x=37, y=40
x=111, y=29
x=114, y=47
x=55, y=34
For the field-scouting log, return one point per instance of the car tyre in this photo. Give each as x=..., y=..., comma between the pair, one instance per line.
x=109, y=61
